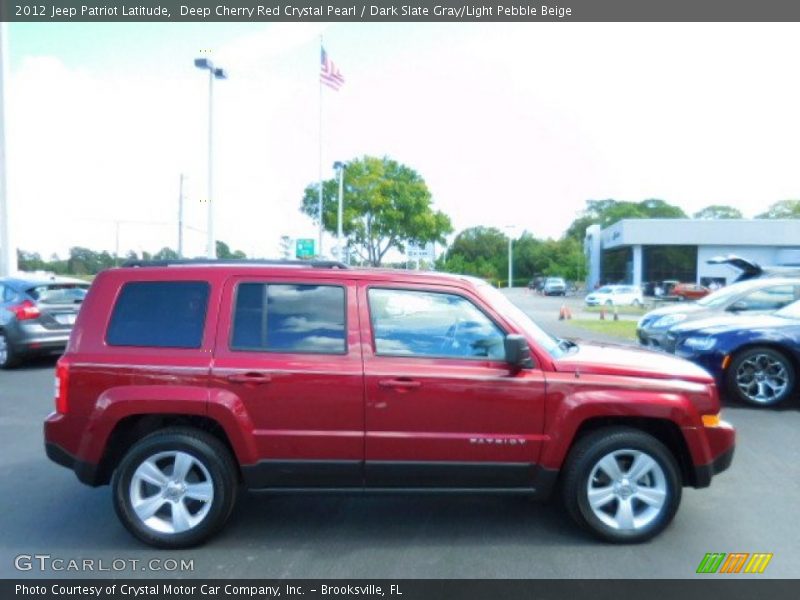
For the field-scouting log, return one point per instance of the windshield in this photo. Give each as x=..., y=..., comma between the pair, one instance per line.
x=504, y=306
x=792, y=311
x=605, y=290
x=724, y=295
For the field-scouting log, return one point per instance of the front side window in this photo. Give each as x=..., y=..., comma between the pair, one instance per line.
x=771, y=298
x=417, y=323
x=289, y=318
x=163, y=314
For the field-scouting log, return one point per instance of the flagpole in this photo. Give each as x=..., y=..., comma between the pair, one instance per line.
x=319, y=251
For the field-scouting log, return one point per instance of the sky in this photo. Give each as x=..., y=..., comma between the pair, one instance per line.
x=509, y=124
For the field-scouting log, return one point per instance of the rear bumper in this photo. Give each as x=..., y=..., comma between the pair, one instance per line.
x=26, y=338
x=87, y=473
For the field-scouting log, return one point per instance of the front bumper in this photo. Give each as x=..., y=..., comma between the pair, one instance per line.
x=652, y=338
x=704, y=473
x=712, y=451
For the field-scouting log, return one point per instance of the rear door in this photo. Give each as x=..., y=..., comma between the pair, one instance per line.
x=443, y=409
x=290, y=350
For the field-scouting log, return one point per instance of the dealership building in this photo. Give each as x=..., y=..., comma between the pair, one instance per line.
x=638, y=251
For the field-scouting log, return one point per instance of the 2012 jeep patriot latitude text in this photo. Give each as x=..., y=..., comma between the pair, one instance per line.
x=184, y=380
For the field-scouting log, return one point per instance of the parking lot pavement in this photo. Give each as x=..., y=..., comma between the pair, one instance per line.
x=545, y=310
x=750, y=508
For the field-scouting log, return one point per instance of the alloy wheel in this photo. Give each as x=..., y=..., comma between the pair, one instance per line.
x=171, y=492
x=3, y=350
x=627, y=489
x=762, y=379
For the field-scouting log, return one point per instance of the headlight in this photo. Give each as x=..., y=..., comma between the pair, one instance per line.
x=700, y=343
x=668, y=321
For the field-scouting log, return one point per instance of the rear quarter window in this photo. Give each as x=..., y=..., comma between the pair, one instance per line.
x=163, y=314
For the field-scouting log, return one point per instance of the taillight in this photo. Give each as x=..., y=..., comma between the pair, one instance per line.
x=25, y=310
x=61, y=383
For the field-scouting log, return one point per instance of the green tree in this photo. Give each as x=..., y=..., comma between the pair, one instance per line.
x=608, y=212
x=479, y=251
x=387, y=205
x=166, y=253
x=718, y=211
x=224, y=251
x=785, y=209
x=30, y=261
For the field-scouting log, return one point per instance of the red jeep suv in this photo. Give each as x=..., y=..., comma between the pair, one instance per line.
x=186, y=380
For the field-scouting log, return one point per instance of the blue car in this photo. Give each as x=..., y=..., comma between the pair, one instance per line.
x=755, y=359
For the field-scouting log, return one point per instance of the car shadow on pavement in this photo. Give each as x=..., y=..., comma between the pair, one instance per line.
x=53, y=513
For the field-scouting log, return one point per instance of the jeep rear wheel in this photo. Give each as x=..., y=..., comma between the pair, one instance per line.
x=621, y=484
x=175, y=487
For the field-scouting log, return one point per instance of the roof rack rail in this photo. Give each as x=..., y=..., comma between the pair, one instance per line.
x=317, y=264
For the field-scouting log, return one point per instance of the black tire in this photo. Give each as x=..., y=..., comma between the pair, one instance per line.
x=204, y=448
x=750, y=354
x=582, y=460
x=11, y=358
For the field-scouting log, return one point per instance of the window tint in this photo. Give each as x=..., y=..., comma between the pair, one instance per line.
x=165, y=314
x=412, y=323
x=771, y=298
x=289, y=318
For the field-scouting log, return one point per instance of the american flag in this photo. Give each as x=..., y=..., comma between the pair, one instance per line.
x=329, y=74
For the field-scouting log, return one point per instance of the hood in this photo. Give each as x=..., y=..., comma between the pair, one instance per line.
x=609, y=359
x=726, y=323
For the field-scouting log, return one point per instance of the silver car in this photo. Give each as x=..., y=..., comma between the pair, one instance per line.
x=755, y=296
x=36, y=315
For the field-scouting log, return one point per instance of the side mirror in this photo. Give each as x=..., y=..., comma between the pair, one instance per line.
x=739, y=306
x=518, y=353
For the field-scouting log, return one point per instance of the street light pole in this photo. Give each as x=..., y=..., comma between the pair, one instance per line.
x=8, y=253
x=213, y=73
x=340, y=167
x=510, y=229
x=180, y=218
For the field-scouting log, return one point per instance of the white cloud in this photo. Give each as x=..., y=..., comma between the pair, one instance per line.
x=507, y=123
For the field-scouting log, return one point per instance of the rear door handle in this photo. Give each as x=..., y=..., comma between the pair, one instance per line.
x=255, y=378
x=401, y=384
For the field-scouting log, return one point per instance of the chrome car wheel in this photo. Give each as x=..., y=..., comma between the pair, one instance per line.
x=627, y=490
x=171, y=492
x=3, y=350
x=762, y=378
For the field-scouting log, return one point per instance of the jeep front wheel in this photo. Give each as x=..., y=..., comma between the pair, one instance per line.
x=621, y=484
x=175, y=487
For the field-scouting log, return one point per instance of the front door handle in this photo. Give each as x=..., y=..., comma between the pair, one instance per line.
x=399, y=384
x=252, y=377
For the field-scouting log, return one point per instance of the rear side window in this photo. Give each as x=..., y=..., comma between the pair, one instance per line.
x=289, y=318
x=163, y=314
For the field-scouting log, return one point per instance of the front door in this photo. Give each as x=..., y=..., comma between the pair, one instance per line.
x=289, y=351
x=443, y=408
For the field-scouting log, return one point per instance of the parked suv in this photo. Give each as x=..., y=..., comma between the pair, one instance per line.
x=184, y=380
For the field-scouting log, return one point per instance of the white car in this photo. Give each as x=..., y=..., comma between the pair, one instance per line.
x=616, y=295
